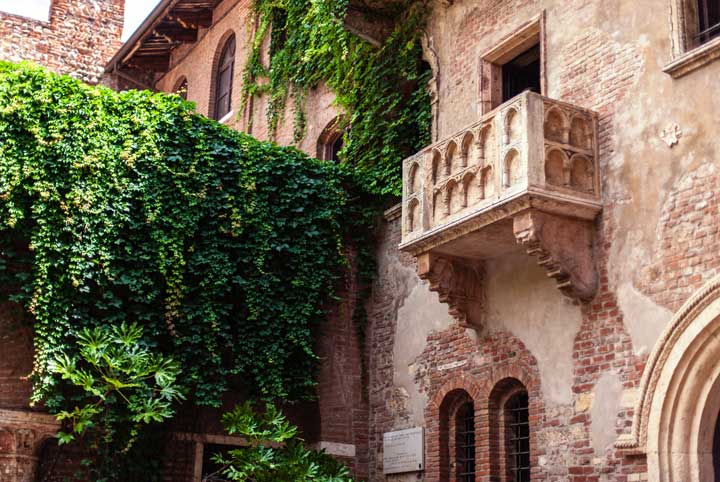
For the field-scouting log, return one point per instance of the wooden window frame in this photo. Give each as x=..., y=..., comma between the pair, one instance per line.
x=522, y=39
x=225, y=62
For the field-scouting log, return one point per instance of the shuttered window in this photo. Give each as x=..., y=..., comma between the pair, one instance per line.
x=224, y=79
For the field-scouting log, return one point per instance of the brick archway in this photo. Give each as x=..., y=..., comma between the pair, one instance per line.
x=482, y=393
x=438, y=414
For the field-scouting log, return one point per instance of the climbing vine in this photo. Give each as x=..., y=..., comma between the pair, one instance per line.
x=129, y=207
x=381, y=89
x=130, y=210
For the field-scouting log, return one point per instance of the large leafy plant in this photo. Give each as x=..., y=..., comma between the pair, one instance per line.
x=274, y=453
x=116, y=383
x=118, y=387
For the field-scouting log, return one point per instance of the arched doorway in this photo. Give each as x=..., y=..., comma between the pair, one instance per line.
x=676, y=418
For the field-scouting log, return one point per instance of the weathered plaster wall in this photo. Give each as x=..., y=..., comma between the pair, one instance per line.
x=656, y=241
x=522, y=300
x=420, y=315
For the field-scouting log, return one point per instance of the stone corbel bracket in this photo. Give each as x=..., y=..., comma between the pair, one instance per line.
x=459, y=284
x=564, y=247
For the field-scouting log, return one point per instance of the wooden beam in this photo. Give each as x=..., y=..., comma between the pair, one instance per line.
x=155, y=63
x=174, y=33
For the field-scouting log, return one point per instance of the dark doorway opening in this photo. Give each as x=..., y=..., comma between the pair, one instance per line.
x=522, y=73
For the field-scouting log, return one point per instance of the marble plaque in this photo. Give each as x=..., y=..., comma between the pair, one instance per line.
x=403, y=451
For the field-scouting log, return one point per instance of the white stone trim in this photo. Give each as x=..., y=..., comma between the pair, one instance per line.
x=694, y=59
x=226, y=118
x=675, y=415
x=336, y=449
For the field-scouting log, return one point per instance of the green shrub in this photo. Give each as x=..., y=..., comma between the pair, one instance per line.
x=129, y=207
x=118, y=387
x=275, y=453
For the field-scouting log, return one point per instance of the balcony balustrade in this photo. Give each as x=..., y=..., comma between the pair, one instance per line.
x=525, y=175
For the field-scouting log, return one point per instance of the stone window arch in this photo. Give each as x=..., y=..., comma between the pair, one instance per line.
x=676, y=416
x=223, y=76
x=331, y=141
x=181, y=87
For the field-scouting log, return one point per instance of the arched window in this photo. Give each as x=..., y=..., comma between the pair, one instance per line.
x=517, y=436
x=224, y=79
x=457, y=437
x=181, y=87
x=510, y=431
x=331, y=141
x=465, y=442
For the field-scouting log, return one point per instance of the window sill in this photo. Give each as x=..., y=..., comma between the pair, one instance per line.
x=694, y=59
x=226, y=118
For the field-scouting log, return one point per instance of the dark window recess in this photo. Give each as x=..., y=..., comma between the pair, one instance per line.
x=182, y=89
x=518, y=433
x=465, y=443
x=211, y=471
x=336, y=147
x=224, y=78
x=522, y=73
x=708, y=20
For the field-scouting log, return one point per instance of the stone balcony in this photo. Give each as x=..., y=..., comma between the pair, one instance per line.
x=525, y=176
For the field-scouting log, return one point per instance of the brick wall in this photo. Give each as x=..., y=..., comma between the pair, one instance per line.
x=16, y=357
x=79, y=39
x=342, y=400
x=196, y=62
x=658, y=233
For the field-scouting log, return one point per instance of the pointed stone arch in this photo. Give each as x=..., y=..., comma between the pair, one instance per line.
x=676, y=415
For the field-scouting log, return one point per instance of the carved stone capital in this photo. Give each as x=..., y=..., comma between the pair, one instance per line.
x=563, y=246
x=22, y=434
x=458, y=282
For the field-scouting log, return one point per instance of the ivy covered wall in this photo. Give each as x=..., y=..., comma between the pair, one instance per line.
x=130, y=207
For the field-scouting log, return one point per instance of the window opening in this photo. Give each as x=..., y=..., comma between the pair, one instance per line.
x=182, y=89
x=210, y=469
x=465, y=443
x=336, y=147
x=331, y=141
x=514, y=65
x=522, y=73
x=708, y=19
x=518, y=433
x=224, y=79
